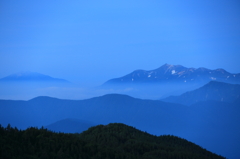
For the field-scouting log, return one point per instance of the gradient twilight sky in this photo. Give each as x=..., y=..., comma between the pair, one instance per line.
x=89, y=42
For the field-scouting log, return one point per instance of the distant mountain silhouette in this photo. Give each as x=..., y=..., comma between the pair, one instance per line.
x=100, y=110
x=211, y=124
x=175, y=74
x=31, y=77
x=217, y=91
x=69, y=126
x=27, y=83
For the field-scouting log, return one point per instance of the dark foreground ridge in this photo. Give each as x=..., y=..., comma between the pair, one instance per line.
x=109, y=141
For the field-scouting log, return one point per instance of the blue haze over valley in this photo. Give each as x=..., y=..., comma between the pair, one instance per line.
x=164, y=67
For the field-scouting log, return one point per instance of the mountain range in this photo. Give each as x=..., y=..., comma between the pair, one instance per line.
x=175, y=74
x=167, y=80
x=211, y=123
x=31, y=77
x=217, y=91
x=203, y=106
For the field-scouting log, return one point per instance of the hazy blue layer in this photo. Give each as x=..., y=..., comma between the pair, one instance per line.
x=89, y=42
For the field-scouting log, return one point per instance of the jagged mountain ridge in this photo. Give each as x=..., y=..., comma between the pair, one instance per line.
x=176, y=74
x=216, y=91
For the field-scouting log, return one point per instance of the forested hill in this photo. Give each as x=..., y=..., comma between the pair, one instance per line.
x=102, y=141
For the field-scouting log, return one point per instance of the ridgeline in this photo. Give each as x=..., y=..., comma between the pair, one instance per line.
x=113, y=141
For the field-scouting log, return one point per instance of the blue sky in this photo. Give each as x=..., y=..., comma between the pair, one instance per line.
x=89, y=42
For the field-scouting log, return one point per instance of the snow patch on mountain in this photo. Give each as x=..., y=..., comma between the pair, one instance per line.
x=213, y=78
x=173, y=72
x=177, y=74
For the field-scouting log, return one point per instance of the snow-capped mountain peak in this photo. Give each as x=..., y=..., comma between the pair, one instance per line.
x=176, y=74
